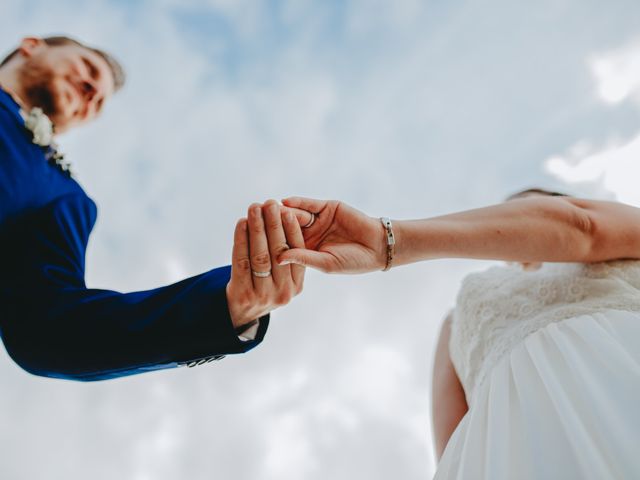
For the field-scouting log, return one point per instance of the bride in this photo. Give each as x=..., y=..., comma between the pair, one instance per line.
x=537, y=371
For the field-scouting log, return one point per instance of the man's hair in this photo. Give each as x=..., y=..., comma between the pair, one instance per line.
x=541, y=191
x=57, y=41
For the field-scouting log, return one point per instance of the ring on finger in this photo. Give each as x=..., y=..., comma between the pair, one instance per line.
x=261, y=274
x=311, y=221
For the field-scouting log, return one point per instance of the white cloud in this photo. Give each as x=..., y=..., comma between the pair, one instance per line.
x=402, y=108
x=289, y=454
x=375, y=377
x=617, y=73
x=612, y=170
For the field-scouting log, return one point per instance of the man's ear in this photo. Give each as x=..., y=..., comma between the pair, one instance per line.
x=30, y=45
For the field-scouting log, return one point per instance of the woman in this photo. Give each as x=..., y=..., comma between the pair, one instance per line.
x=547, y=356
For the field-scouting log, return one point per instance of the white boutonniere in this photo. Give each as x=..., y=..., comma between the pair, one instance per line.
x=41, y=128
x=39, y=125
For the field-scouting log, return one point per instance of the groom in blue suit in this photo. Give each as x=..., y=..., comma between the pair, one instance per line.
x=50, y=322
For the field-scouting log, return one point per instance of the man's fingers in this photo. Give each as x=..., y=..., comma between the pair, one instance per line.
x=277, y=240
x=240, y=263
x=309, y=258
x=259, y=249
x=295, y=240
x=308, y=204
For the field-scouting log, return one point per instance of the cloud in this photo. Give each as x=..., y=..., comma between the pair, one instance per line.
x=407, y=109
x=612, y=170
x=617, y=73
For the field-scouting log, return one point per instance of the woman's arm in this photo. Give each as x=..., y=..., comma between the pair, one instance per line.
x=448, y=401
x=532, y=229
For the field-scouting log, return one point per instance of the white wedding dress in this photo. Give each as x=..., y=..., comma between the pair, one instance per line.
x=550, y=365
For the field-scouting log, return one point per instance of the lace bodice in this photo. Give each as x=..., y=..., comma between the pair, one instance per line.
x=497, y=308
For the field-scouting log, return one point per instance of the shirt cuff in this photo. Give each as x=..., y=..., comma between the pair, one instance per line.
x=248, y=332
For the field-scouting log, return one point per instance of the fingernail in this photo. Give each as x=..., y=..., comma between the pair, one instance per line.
x=285, y=262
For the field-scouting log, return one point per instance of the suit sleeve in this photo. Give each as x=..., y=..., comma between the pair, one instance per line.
x=52, y=325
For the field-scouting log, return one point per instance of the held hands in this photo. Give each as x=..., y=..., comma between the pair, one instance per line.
x=271, y=251
x=339, y=239
x=259, y=284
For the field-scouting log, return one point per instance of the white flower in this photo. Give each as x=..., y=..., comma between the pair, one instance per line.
x=40, y=126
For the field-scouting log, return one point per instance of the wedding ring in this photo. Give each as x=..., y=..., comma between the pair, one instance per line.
x=261, y=274
x=311, y=222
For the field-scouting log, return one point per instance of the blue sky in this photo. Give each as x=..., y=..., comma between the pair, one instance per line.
x=405, y=109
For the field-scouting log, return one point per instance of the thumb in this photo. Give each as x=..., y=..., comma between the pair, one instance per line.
x=308, y=204
x=306, y=258
x=301, y=215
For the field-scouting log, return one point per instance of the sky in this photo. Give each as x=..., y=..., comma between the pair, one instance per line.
x=406, y=109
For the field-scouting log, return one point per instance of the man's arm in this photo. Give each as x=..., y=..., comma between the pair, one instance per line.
x=52, y=325
x=448, y=401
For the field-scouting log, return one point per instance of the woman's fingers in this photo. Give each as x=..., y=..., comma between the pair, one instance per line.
x=308, y=204
x=240, y=263
x=295, y=240
x=305, y=219
x=322, y=261
x=259, y=250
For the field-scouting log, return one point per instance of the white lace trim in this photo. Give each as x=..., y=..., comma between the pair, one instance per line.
x=496, y=309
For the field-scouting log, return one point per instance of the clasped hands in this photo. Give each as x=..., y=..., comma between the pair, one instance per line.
x=274, y=243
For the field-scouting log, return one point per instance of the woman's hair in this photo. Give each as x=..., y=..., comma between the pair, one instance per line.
x=540, y=191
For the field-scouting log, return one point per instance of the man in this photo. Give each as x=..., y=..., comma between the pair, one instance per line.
x=50, y=322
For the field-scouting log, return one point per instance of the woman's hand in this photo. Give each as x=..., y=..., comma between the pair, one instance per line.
x=341, y=239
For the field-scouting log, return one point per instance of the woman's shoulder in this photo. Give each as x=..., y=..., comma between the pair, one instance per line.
x=507, y=269
x=509, y=287
x=593, y=270
x=627, y=270
x=496, y=272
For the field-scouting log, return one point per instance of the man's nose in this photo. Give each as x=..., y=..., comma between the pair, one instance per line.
x=89, y=90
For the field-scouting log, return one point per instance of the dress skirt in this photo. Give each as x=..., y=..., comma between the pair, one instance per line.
x=563, y=404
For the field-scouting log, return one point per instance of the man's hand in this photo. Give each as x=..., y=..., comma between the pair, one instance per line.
x=258, y=283
x=340, y=239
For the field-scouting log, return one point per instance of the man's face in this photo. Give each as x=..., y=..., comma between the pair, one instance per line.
x=70, y=83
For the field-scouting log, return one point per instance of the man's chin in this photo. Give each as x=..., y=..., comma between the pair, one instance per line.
x=42, y=93
x=60, y=118
x=61, y=122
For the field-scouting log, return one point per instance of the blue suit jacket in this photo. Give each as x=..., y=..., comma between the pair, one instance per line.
x=50, y=322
